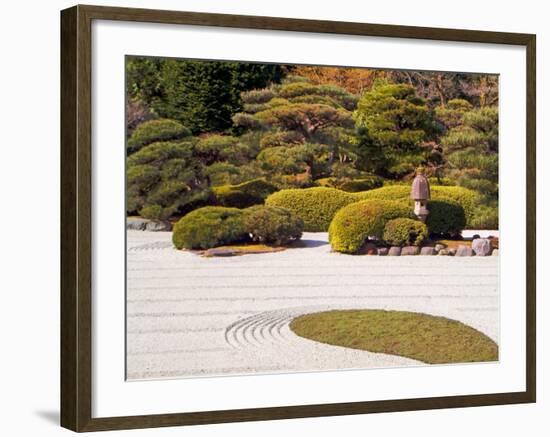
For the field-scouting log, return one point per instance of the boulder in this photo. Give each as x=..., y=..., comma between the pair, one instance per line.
x=219, y=251
x=383, y=251
x=410, y=250
x=439, y=247
x=451, y=252
x=428, y=250
x=482, y=246
x=443, y=252
x=157, y=225
x=495, y=252
x=394, y=251
x=369, y=249
x=464, y=251
x=136, y=223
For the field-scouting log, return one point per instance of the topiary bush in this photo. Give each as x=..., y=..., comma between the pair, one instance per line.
x=315, y=206
x=243, y=195
x=405, y=232
x=388, y=192
x=445, y=218
x=156, y=130
x=468, y=199
x=273, y=225
x=355, y=223
x=208, y=227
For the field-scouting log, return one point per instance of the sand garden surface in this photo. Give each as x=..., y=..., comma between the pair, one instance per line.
x=189, y=315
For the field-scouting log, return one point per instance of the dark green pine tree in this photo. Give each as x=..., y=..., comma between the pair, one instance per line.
x=202, y=95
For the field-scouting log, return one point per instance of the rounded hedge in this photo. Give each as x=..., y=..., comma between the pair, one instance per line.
x=156, y=130
x=405, y=232
x=243, y=195
x=355, y=223
x=445, y=217
x=272, y=225
x=315, y=206
x=208, y=227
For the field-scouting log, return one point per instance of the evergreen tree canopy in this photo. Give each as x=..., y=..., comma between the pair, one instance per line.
x=201, y=95
x=393, y=123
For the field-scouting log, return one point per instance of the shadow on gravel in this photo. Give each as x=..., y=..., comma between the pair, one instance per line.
x=308, y=243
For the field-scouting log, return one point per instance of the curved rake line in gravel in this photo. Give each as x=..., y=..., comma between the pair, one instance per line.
x=258, y=330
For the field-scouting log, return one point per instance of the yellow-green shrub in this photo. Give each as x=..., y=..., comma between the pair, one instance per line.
x=355, y=223
x=404, y=232
x=272, y=225
x=315, y=206
x=208, y=227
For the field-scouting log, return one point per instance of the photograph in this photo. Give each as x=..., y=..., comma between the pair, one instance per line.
x=287, y=218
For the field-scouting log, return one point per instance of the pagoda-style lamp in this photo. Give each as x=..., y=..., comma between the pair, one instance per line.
x=420, y=193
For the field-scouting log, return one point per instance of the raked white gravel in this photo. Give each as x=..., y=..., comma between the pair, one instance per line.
x=194, y=316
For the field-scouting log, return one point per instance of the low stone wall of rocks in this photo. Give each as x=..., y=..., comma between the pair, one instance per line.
x=480, y=247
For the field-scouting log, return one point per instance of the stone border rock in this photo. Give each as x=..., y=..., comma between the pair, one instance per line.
x=480, y=247
x=141, y=224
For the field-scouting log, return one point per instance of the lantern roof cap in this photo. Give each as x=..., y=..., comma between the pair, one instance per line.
x=420, y=189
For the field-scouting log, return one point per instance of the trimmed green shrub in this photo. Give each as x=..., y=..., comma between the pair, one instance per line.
x=485, y=217
x=388, y=192
x=156, y=130
x=445, y=217
x=468, y=199
x=355, y=223
x=405, y=232
x=272, y=225
x=243, y=195
x=315, y=206
x=208, y=227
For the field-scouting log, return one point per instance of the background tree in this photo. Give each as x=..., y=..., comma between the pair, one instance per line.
x=393, y=124
x=305, y=129
x=472, y=151
x=201, y=95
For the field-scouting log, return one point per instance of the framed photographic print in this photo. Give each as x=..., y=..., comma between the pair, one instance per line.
x=268, y=218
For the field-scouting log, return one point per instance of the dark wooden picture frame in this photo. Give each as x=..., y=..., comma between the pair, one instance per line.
x=76, y=218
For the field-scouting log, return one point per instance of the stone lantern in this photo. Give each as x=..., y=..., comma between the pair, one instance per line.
x=420, y=193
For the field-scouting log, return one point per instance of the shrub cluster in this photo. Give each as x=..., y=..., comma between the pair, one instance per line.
x=355, y=223
x=445, y=217
x=213, y=226
x=243, y=195
x=272, y=225
x=405, y=232
x=466, y=198
x=209, y=227
x=156, y=130
x=315, y=206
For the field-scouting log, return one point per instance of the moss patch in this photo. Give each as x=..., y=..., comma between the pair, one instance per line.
x=430, y=339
